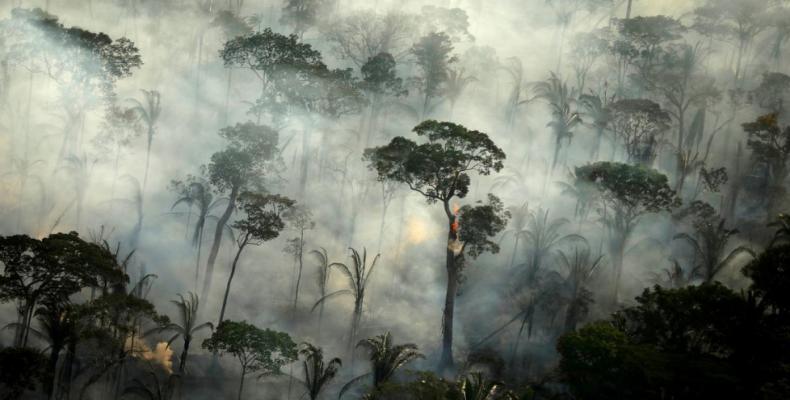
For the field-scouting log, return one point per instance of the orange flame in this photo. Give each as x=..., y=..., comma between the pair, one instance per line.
x=455, y=225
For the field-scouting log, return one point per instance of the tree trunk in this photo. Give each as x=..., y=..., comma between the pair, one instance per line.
x=147, y=158
x=212, y=257
x=230, y=279
x=446, y=362
x=299, y=273
x=618, y=248
x=49, y=383
x=197, y=262
x=241, y=382
x=184, y=353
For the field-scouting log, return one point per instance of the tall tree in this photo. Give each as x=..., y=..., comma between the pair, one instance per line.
x=736, y=21
x=358, y=278
x=626, y=193
x=710, y=242
x=597, y=109
x=580, y=268
x=196, y=192
x=303, y=14
x=259, y=351
x=301, y=219
x=240, y=167
x=641, y=125
x=433, y=55
x=149, y=110
x=439, y=170
x=770, y=145
x=187, y=326
x=564, y=118
x=263, y=220
x=682, y=85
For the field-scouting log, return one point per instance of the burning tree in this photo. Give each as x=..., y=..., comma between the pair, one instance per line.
x=439, y=170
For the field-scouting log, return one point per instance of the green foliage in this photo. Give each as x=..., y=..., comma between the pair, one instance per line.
x=439, y=168
x=772, y=93
x=80, y=61
x=270, y=53
x=683, y=343
x=641, y=124
x=481, y=222
x=769, y=143
x=303, y=14
x=386, y=358
x=259, y=351
x=771, y=278
x=433, y=55
x=20, y=370
x=630, y=191
x=379, y=76
x=264, y=216
x=244, y=163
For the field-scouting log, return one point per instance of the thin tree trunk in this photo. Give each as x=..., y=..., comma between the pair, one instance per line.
x=184, y=353
x=230, y=279
x=299, y=273
x=148, y=157
x=241, y=382
x=212, y=257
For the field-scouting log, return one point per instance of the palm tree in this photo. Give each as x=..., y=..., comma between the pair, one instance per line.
x=324, y=268
x=456, y=83
x=198, y=194
x=709, y=244
x=476, y=387
x=782, y=225
x=317, y=373
x=385, y=359
x=518, y=221
x=136, y=202
x=149, y=111
x=517, y=97
x=358, y=278
x=187, y=326
x=560, y=100
x=597, y=109
x=542, y=236
x=57, y=327
x=580, y=267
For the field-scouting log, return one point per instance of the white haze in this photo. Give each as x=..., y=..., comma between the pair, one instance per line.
x=407, y=290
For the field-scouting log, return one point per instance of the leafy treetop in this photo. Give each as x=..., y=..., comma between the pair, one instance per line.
x=438, y=169
x=258, y=350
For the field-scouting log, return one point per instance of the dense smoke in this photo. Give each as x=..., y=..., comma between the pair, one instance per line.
x=105, y=158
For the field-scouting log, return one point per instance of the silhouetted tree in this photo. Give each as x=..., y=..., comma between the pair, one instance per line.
x=263, y=221
x=240, y=167
x=259, y=351
x=770, y=145
x=317, y=373
x=626, y=193
x=358, y=278
x=439, y=170
x=433, y=55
